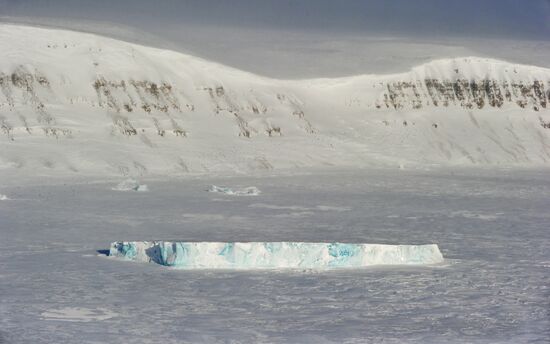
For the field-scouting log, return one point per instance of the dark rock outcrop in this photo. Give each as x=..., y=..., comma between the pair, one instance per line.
x=468, y=94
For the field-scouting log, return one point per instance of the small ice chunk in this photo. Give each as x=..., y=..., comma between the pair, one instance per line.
x=77, y=314
x=130, y=185
x=274, y=255
x=3, y=197
x=142, y=188
x=249, y=191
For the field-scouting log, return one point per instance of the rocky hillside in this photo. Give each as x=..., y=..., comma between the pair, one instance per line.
x=511, y=84
x=79, y=103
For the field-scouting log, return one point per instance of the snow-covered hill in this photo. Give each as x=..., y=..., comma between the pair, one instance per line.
x=79, y=103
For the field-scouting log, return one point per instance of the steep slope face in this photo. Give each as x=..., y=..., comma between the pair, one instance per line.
x=73, y=101
x=78, y=102
x=494, y=84
x=461, y=110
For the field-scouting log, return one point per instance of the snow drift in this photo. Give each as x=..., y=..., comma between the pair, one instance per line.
x=274, y=255
x=72, y=102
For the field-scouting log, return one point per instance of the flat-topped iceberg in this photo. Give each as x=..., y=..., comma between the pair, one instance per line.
x=274, y=255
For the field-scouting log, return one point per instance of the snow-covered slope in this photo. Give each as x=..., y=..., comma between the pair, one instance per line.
x=75, y=102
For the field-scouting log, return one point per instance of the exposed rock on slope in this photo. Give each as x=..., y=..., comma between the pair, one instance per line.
x=468, y=94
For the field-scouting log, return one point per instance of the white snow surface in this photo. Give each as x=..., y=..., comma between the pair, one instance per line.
x=274, y=255
x=76, y=103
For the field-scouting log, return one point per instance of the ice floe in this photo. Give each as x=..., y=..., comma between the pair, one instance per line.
x=130, y=185
x=476, y=215
x=77, y=314
x=274, y=255
x=249, y=191
x=299, y=208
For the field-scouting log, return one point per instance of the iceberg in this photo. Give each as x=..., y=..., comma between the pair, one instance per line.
x=3, y=197
x=249, y=191
x=130, y=185
x=273, y=255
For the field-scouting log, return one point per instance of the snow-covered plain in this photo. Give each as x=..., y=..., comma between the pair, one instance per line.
x=490, y=224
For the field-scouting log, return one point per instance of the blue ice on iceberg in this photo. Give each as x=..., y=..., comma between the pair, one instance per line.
x=274, y=255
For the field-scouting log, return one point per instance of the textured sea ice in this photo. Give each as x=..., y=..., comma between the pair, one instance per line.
x=130, y=185
x=274, y=255
x=249, y=191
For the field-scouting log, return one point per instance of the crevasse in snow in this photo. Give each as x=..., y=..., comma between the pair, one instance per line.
x=274, y=255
